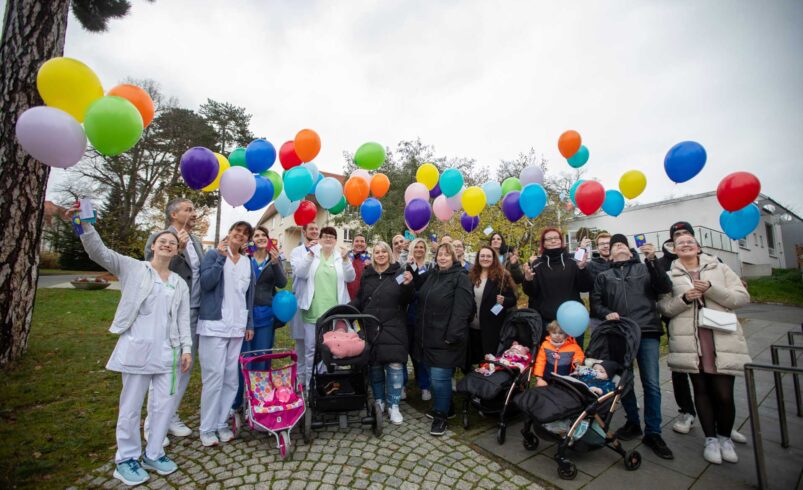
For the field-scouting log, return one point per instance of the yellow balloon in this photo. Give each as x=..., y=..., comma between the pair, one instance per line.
x=223, y=166
x=428, y=175
x=473, y=200
x=69, y=85
x=632, y=183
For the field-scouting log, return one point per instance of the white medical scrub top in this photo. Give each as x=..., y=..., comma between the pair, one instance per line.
x=236, y=279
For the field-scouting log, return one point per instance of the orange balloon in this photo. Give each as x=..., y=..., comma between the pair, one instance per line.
x=356, y=190
x=569, y=142
x=380, y=183
x=307, y=144
x=137, y=96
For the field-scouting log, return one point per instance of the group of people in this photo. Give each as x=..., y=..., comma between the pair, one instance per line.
x=437, y=309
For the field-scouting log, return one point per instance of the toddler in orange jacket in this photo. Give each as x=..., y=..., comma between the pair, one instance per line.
x=558, y=354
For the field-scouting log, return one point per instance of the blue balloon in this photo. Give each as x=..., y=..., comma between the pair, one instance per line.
x=574, y=189
x=614, y=202
x=684, y=160
x=739, y=224
x=371, y=210
x=285, y=206
x=580, y=158
x=259, y=155
x=451, y=182
x=493, y=192
x=297, y=183
x=315, y=185
x=263, y=194
x=284, y=305
x=328, y=192
x=572, y=317
x=532, y=200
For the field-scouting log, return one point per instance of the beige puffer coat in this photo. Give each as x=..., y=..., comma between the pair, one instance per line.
x=725, y=294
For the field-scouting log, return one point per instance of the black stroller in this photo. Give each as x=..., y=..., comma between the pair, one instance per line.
x=340, y=385
x=491, y=395
x=589, y=416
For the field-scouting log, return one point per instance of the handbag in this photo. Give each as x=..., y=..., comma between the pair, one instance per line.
x=724, y=321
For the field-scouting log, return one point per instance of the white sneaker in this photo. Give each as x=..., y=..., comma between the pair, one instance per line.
x=404, y=393
x=178, y=428
x=426, y=395
x=381, y=406
x=738, y=437
x=395, y=415
x=209, y=439
x=712, y=452
x=683, y=423
x=146, y=433
x=225, y=435
x=727, y=451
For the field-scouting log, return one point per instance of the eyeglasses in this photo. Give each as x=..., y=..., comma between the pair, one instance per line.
x=552, y=239
x=330, y=237
x=685, y=244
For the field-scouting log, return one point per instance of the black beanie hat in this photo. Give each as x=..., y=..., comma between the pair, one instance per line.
x=619, y=238
x=680, y=225
x=610, y=367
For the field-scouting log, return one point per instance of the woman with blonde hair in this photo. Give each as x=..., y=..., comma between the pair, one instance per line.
x=417, y=260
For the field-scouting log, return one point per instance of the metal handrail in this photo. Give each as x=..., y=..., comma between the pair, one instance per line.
x=793, y=358
x=779, y=387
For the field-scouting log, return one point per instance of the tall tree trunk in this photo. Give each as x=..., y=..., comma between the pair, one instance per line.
x=33, y=32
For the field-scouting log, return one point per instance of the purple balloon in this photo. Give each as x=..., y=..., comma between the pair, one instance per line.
x=470, y=223
x=199, y=167
x=436, y=191
x=510, y=206
x=51, y=136
x=417, y=214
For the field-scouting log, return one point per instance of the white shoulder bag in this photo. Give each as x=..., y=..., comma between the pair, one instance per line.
x=723, y=321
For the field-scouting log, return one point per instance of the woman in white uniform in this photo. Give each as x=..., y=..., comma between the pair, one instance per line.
x=153, y=321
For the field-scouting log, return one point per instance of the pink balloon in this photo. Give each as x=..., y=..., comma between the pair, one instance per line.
x=237, y=186
x=51, y=136
x=416, y=190
x=441, y=208
x=456, y=201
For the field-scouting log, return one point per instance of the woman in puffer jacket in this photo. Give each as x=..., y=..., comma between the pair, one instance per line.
x=713, y=358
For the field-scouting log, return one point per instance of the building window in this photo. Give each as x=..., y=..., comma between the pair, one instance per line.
x=770, y=238
x=761, y=240
x=743, y=243
x=348, y=235
x=755, y=239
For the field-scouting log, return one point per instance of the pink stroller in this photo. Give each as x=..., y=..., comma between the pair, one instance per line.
x=273, y=396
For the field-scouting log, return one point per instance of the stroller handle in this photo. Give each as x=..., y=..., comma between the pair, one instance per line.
x=266, y=354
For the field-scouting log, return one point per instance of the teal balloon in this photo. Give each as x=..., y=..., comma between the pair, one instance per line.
x=285, y=206
x=580, y=158
x=493, y=192
x=574, y=189
x=451, y=182
x=237, y=157
x=297, y=183
x=532, y=200
x=739, y=224
x=328, y=192
x=284, y=305
x=614, y=203
x=573, y=318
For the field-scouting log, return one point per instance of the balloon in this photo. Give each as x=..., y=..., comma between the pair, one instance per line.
x=580, y=158
x=473, y=200
x=370, y=156
x=259, y=155
x=510, y=206
x=315, y=185
x=440, y=206
x=313, y=169
x=573, y=190
x=469, y=223
x=274, y=179
x=573, y=318
x=510, y=184
x=737, y=190
x=263, y=194
x=223, y=165
x=451, y=182
x=493, y=192
x=297, y=183
x=113, y=125
x=288, y=156
x=455, y=202
x=137, y=96
x=569, y=143
x=237, y=186
x=69, y=85
x=328, y=192
x=284, y=305
x=199, y=167
x=371, y=210
x=684, y=160
x=237, y=157
x=305, y=213
x=739, y=224
x=380, y=184
x=307, y=144
x=417, y=214
x=428, y=175
x=363, y=174
x=416, y=190
x=532, y=200
x=51, y=136
x=531, y=175
x=589, y=197
x=339, y=207
x=356, y=190
x=632, y=184
x=614, y=203
x=435, y=192
x=284, y=206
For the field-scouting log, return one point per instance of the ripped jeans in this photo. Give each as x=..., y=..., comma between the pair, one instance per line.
x=394, y=372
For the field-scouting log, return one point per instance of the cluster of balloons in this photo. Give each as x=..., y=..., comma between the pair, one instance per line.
x=736, y=193
x=73, y=94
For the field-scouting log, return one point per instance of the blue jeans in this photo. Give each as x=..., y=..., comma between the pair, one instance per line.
x=647, y=357
x=395, y=377
x=441, y=388
x=263, y=339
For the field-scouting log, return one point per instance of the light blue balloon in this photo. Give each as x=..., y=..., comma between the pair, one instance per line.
x=285, y=206
x=532, y=200
x=614, y=202
x=284, y=305
x=580, y=158
x=328, y=192
x=313, y=169
x=572, y=317
x=297, y=183
x=493, y=192
x=451, y=182
x=739, y=224
x=315, y=185
x=574, y=189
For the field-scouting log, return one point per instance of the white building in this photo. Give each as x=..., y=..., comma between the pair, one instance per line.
x=771, y=245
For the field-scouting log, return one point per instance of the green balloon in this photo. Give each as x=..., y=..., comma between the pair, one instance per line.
x=113, y=125
x=276, y=180
x=339, y=207
x=370, y=156
x=237, y=157
x=510, y=184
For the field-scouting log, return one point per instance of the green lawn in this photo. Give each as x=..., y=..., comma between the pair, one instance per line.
x=784, y=286
x=60, y=272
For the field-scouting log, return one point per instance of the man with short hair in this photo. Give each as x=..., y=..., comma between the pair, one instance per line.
x=601, y=259
x=360, y=259
x=309, y=243
x=460, y=250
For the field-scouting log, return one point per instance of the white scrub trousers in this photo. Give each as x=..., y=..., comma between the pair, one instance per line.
x=305, y=350
x=129, y=444
x=219, y=357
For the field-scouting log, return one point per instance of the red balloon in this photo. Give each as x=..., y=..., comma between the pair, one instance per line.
x=305, y=213
x=288, y=156
x=738, y=190
x=589, y=197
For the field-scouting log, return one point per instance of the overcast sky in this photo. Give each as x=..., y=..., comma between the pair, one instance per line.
x=488, y=80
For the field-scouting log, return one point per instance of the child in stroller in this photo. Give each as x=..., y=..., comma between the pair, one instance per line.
x=558, y=354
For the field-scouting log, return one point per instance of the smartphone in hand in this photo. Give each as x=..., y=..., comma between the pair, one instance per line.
x=641, y=239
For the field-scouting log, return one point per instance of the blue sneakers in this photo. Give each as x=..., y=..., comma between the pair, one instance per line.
x=163, y=466
x=131, y=473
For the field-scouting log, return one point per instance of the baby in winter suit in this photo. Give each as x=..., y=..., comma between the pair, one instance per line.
x=597, y=375
x=516, y=357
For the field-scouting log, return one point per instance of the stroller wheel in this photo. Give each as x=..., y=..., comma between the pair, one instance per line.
x=284, y=444
x=632, y=460
x=530, y=441
x=501, y=433
x=307, y=432
x=376, y=426
x=567, y=470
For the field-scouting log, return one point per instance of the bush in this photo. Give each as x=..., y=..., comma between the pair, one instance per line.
x=48, y=260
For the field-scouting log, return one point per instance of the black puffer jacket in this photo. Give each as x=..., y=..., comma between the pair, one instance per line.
x=380, y=295
x=665, y=262
x=445, y=305
x=557, y=279
x=631, y=289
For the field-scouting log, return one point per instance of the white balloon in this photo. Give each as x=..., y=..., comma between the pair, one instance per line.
x=237, y=185
x=531, y=175
x=360, y=172
x=51, y=136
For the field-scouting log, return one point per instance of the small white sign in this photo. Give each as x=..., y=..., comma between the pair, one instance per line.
x=497, y=309
x=488, y=231
x=400, y=278
x=579, y=254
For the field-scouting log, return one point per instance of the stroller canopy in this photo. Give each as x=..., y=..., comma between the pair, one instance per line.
x=615, y=340
x=523, y=326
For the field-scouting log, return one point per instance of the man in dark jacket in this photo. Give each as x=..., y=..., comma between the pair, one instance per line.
x=601, y=259
x=360, y=259
x=630, y=289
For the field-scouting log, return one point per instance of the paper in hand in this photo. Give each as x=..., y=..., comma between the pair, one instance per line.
x=87, y=213
x=400, y=278
x=497, y=309
x=488, y=231
x=579, y=254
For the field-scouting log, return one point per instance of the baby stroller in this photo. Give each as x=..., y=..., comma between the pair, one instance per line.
x=491, y=395
x=273, y=396
x=568, y=410
x=340, y=385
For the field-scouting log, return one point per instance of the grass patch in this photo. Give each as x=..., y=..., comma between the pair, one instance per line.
x=783, y=286
x=60, y=272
